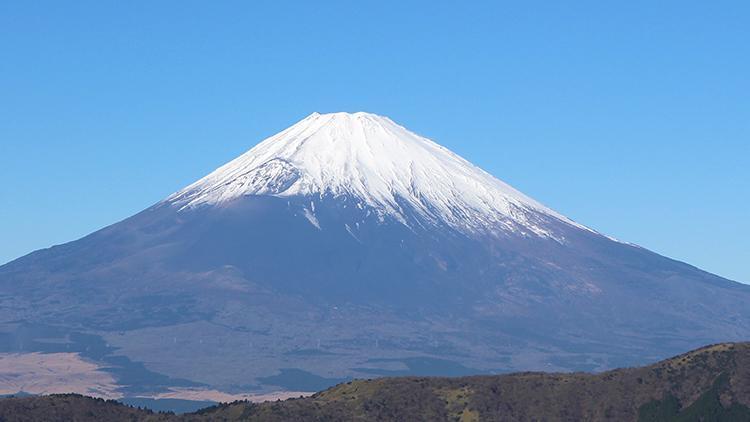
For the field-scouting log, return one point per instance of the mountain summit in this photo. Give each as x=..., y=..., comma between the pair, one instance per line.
x=388, y=169
x=347, y=246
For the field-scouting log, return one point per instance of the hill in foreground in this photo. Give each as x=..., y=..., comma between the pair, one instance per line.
x=709, y=384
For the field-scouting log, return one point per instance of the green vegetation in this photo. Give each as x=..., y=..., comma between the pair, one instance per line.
x=708, y=407
x=708, y=384
x=73, y=407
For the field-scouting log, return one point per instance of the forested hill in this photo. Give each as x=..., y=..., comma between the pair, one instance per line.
x=710, y=384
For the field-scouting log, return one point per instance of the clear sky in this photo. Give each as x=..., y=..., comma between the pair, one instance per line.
x=630, y=117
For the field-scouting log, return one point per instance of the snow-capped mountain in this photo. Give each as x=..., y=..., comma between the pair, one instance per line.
x=348, y=246
x=393, y=172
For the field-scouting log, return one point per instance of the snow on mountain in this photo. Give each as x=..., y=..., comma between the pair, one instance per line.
x=386, y=167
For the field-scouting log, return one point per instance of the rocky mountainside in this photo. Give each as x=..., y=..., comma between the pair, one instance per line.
x=347, y=246
x=709, y=384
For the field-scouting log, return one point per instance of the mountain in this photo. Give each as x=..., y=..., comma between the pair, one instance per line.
x=709, y=384
x=377, y=166
x=347, y=246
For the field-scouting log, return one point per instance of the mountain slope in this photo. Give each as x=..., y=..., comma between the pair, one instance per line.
x=347, y=246
x=712, y=383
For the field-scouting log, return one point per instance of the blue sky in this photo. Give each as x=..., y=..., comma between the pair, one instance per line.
x=632, y=118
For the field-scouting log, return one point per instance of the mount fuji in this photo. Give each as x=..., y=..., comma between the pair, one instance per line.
x=347, y=246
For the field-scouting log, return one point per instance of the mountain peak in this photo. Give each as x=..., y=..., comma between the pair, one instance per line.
x=348, y=115
x=379, y=164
